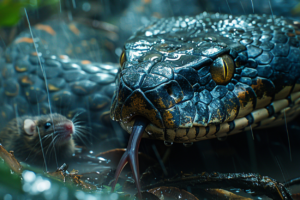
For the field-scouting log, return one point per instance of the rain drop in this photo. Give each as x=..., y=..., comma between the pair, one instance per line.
x=86, y=6
x=168, y=143
x=222, y=138
x=188, y=144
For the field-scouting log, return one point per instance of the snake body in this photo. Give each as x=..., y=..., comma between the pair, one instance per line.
x=208, y=76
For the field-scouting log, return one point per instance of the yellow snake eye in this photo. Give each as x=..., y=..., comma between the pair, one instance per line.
x=222, y=69
x=122, y=58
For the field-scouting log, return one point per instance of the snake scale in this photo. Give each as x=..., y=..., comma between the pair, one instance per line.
x=209, y=76
x=191, y=78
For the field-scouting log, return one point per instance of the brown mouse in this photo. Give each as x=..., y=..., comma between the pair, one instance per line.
x=22, y=135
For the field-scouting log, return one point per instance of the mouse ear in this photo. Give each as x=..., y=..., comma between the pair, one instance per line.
x=29, y=127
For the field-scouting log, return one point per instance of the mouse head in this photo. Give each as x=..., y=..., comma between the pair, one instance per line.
x=61, y=127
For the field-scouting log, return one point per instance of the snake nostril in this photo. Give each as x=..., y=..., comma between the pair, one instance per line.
x=174, y=91
x=170, y=92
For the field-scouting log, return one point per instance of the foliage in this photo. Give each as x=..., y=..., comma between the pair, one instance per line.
x=11, y=183
x=11, y=11
x=8, y=178
x=107, y=189
x=296, y=9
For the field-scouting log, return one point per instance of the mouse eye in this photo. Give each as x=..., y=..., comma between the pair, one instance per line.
x=47, y=125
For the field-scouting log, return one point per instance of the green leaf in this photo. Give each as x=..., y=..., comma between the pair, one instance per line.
x=9, y=179
x=11, y=11
x=118, y=188
x=296, y=9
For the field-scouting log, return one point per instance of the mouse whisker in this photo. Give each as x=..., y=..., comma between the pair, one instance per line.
x=48, y=157
x=82, y=133
x=85, y=133
x=82, y=127
x=58, y=128
x=76, y=115
x=82, y=139
x=49, y=154
x=51, y=144
x=58, y=132
x=81, y=124
x=35, y=153
x=78, y=122
x=44, y=138
x=29, y=156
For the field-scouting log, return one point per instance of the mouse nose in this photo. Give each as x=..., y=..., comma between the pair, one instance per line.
x=69, y=127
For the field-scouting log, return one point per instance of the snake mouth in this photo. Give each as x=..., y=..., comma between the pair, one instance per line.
x=175, y=104
x=276, y=113
x=178, y=135
x=259, y=117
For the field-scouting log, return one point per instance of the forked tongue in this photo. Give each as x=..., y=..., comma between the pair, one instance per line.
x=131, y=154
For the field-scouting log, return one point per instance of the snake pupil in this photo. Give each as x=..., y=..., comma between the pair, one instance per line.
x=225, y=69
x=222, y=69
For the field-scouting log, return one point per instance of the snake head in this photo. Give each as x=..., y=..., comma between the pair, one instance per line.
x=200, y=77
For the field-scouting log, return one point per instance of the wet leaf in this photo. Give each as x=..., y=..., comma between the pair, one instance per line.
x=152, y=174
x=8, y=179
x=224, y=194
x=261, y=185
x=74, y=172
x=10, y=160
x=98, y=178
x=172, y=193
x=147, y=196
x=74, y=179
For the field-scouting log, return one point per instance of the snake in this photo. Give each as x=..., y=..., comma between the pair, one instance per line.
x=181, y=79
x=191, y=78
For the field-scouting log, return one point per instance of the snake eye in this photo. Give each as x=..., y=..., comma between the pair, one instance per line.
x=122, y=58
x=222, y=69
x=47, y=125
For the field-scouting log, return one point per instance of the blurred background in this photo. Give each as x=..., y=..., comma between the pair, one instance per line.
x=264, y=151
x=125, y=16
